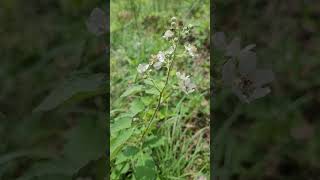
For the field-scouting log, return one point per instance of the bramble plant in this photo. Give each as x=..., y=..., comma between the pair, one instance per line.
x=238, y=69
x=133, y=141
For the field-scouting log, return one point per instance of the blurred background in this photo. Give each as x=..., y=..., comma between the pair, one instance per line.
x=275, y=137
x=52, y=107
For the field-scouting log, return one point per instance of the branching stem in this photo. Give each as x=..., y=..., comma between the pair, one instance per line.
x=160, y=98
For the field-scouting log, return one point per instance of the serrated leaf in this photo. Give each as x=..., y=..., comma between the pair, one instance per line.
x=117, y=142
x=53, y=167
x=128, y=153
x=27, y=153
x=132, y=90
x=146, y=100
x=145, y=168
x=136, y=106
x=79, y=87
x=153, y=91
x=154, y=141
x=85, y=143
x=120, y=124
x=148, y=82
x=158, y=83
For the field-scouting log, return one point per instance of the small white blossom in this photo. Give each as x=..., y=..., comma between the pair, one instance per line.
x=185, y=83
x=161, y=56
x=160, y=59
x=170, y=50
x=202, y=178
x=173, y=19
x=182, y=75
x=157, y=65
x=168, y=35
x=191, y=49
x=142, y=68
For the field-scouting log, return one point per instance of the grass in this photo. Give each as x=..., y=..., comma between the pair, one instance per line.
x=136, y=30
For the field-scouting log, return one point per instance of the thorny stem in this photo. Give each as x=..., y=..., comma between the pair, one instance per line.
x=159, y=100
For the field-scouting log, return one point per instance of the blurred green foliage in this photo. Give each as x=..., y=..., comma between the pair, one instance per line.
x=275, y=137
x=52, y=95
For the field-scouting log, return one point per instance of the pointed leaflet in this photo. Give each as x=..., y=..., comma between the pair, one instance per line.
x=132, y=90
x=145, y=168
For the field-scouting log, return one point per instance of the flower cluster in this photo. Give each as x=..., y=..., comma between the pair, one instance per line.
x=165, y=58
x=158, y=60
x=240, y=71
x=185, y=83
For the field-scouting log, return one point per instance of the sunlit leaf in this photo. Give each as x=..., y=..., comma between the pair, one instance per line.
x=145, y=168
x=117, y=142
x=132, y=90
x=136, y=106
x=120, y=124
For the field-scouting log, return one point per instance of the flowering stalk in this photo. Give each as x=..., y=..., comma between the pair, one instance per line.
x=160, y=97
x=175, y=35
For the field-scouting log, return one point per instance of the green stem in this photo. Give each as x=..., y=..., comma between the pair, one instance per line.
x=159, y=100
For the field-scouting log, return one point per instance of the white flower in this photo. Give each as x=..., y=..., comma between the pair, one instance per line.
x=191, y=49
x=173, y=19
x=161, y=56
x=142, y=68
x=157, y=65
x=182, y=76
x=160, y=59
x=190, y=26
x=170, y=50
x=168, y=35
x=202, y=178
x=185, y=83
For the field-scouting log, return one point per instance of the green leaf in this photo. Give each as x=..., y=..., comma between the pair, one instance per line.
x=118, y=141
x=153, y=91
x=132, y=90
x=159, y=83
x=154, y=141
x=136, y=106
x=145, y=168
x=24, y=153
x=146, y=100
x=129, y=152
x=58, y=167
x=86, y=142
x=77, y=88
x=120, y=124
x=148, y=82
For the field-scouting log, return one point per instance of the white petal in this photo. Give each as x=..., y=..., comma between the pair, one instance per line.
x=228, y=73
x=161, y=56
x=168, y=34
x=260, y=92
x=262, y=77
x=247, y=62
x=157, y=65
x=233, y=48
x=142, y=68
